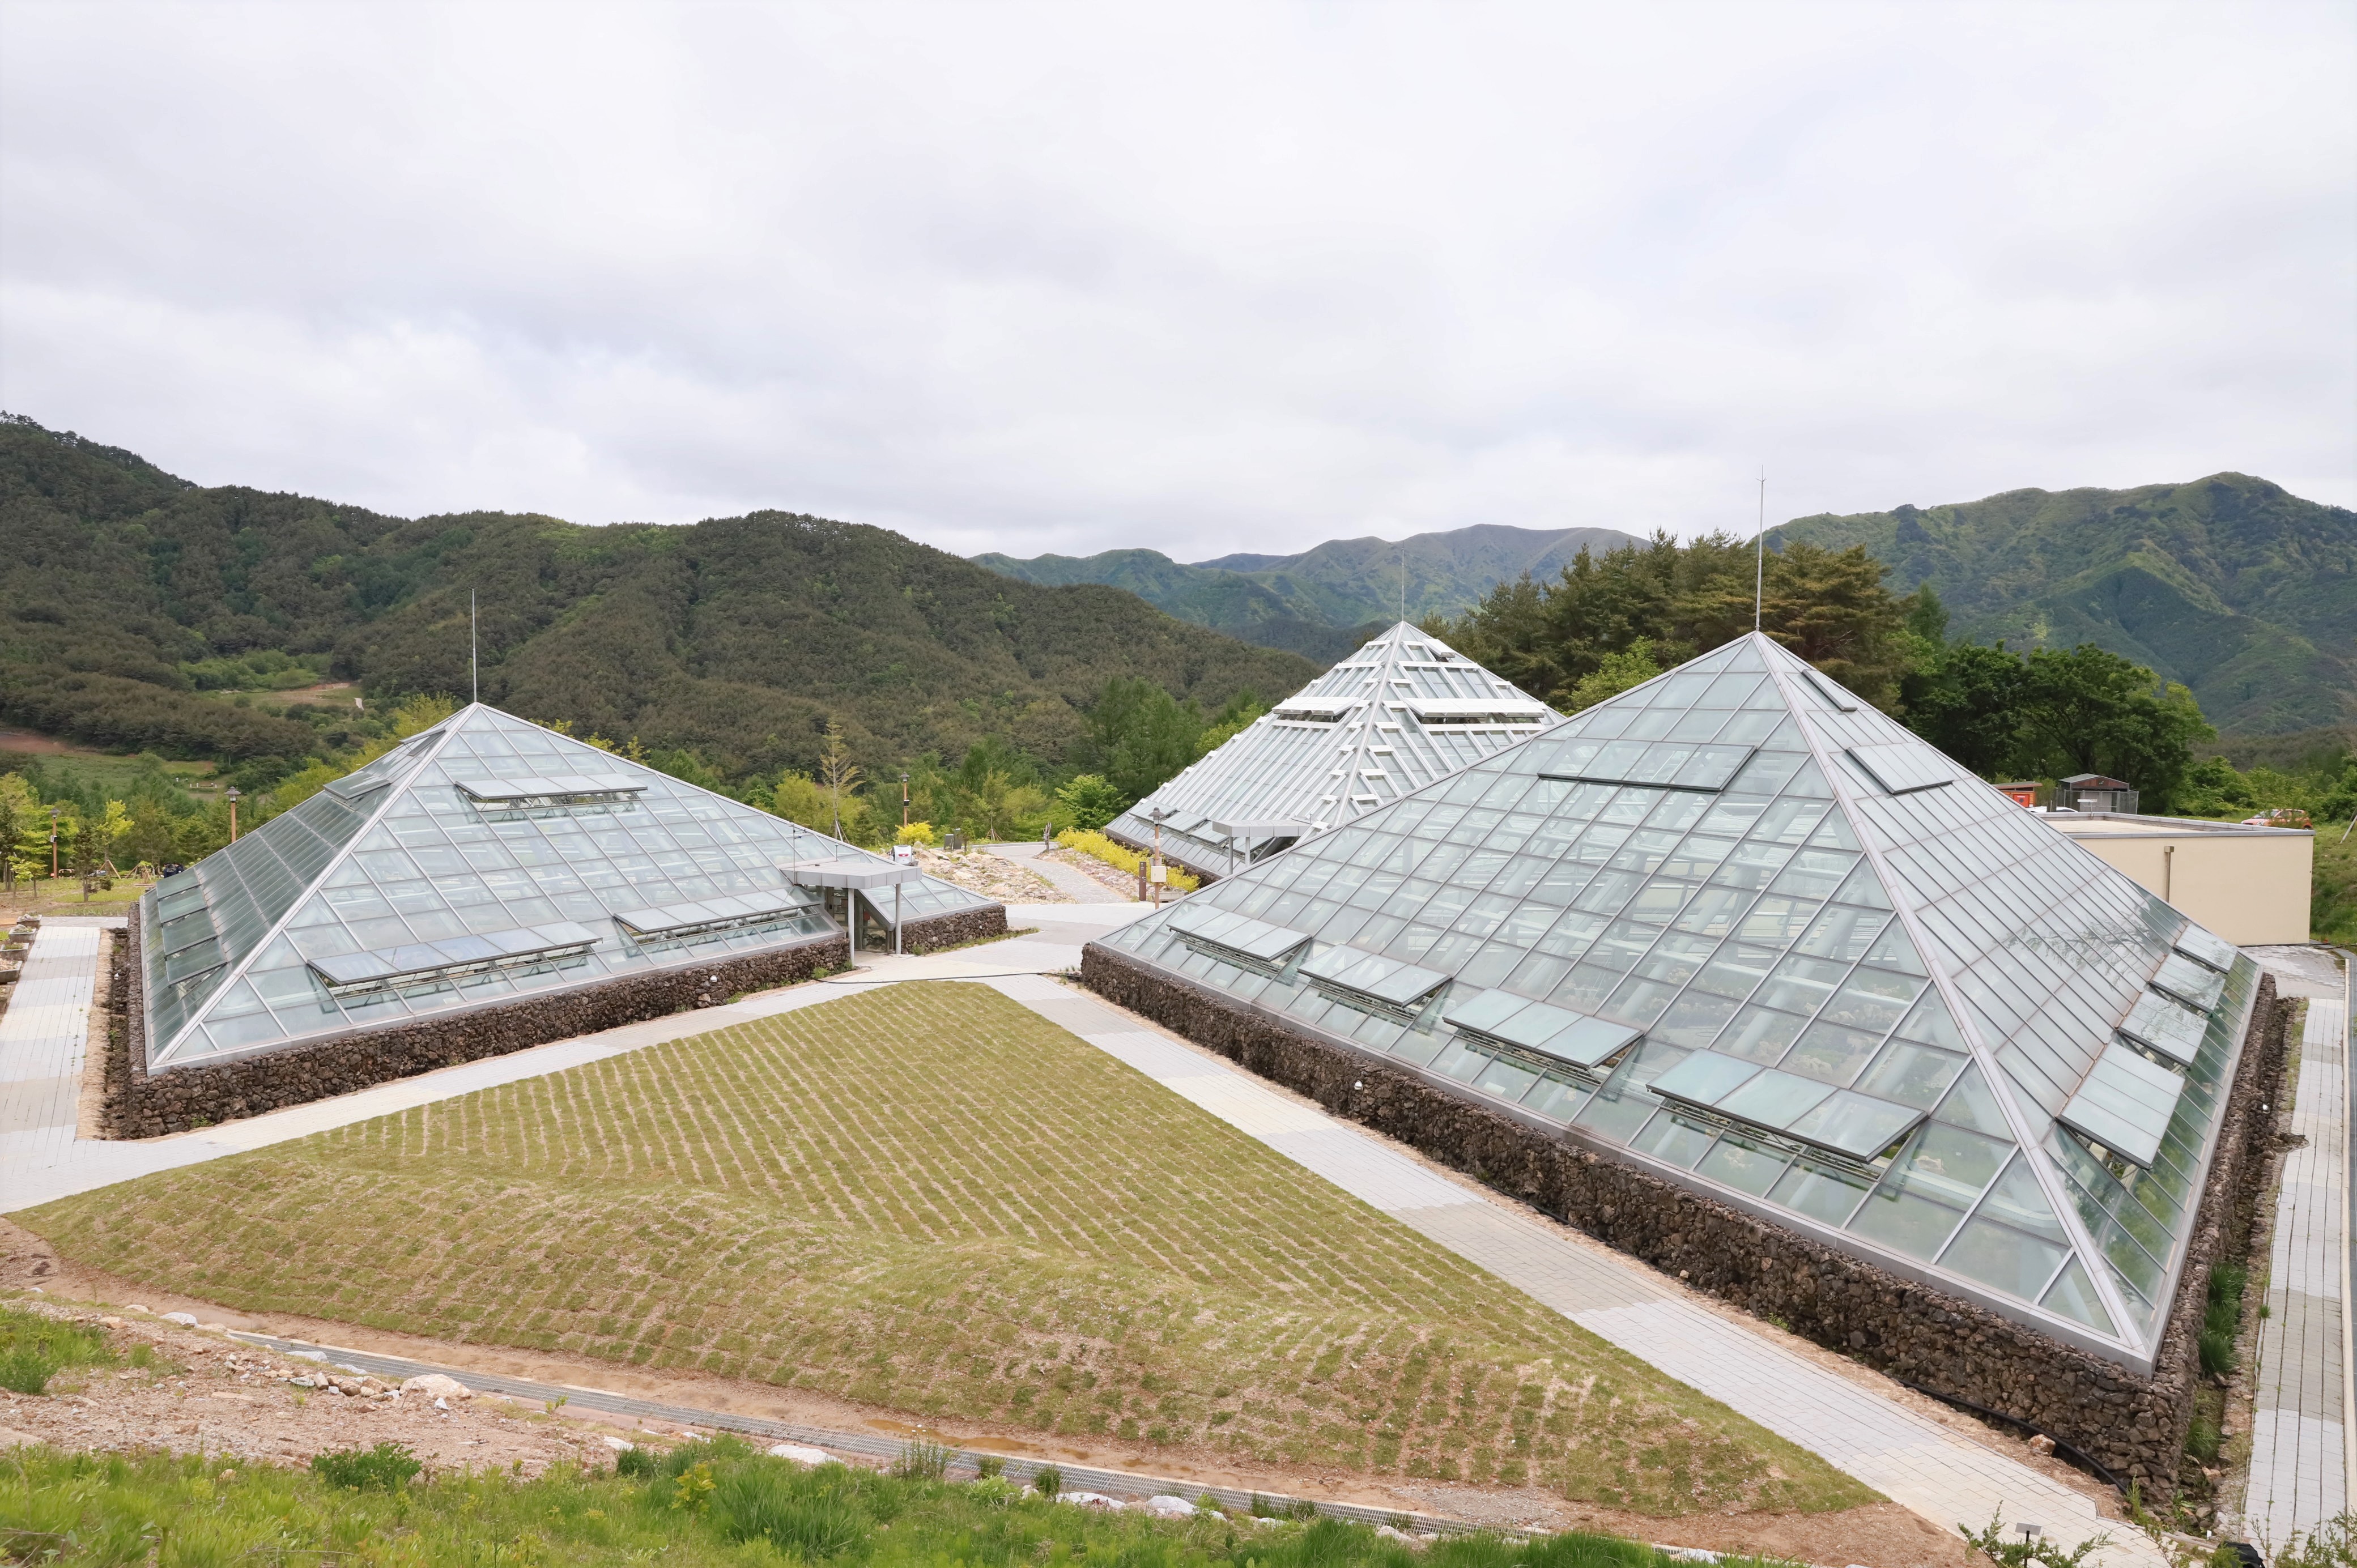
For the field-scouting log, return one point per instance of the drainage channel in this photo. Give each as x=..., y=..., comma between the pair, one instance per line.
x=1076, y=1478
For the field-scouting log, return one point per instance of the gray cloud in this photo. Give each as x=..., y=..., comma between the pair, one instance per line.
x=1205, y=278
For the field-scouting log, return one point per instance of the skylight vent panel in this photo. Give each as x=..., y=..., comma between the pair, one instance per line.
x=1704, y=768
x=726, y=914
x=1557, y=1033
x=1829, y=693
x=1239, y=940
x=2125, y=1105
x=2165, y=1027
x=354, y=786
x=2212, y=952
x=1373, y=983
x=440, y=965
x=1857, y=1126
x=1314, y=709
x=1902, y=770
x=2194, y=985
x=1477, y=710
x=522, y=791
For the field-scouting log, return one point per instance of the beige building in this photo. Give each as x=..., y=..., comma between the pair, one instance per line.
x=2249, y=885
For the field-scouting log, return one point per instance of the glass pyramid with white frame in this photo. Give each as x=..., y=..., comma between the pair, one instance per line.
x=1403, y=711
x=1740, y=928
x=482, y=860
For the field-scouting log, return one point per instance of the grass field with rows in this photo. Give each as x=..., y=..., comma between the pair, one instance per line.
x=930, y=1199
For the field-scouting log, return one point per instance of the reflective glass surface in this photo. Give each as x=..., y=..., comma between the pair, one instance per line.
x=1836, y=991
x=404, y=870
x=1402, y=712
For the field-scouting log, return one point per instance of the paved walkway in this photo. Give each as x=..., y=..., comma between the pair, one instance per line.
x=1070, y=880
x=2300, y=1439
x=1942, y=1474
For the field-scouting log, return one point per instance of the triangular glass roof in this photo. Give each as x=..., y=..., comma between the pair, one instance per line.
x=1739, y=928
x=482, y=859
x=1399, y=713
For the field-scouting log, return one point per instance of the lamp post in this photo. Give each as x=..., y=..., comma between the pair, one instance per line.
x=904, y=800
x=233, y=814
x=53, y=843
x=1157, y=876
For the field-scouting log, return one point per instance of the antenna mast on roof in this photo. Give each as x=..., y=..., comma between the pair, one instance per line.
x=1759, y=551
x=474, y=675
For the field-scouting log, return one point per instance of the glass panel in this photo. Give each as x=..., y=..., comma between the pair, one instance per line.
x=2072, y=1295
x=1907, y=1221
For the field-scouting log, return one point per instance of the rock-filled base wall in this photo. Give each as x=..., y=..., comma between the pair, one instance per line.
x=2132, y=1424
x=141, y=1105
x=947, y=930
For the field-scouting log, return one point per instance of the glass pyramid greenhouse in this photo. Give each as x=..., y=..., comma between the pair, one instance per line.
x=1404, y=711
x=483, y=860
x=1742, y=931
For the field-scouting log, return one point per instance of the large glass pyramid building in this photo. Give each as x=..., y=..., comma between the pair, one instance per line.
x=1402, y=712
x=1739, y=930
x=486, y=861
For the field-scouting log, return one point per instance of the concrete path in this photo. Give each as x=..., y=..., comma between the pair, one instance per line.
x=1942, y=1474
x=1068, y=880
x=2300, y=1437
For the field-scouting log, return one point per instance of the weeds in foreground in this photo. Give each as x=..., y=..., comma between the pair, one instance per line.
x=922, y=1461
x=755, y=1511
x=2330, y=1545
x=2221, y=1319
x=2006, y=1545
x=35, y=1348
x=387, y=1467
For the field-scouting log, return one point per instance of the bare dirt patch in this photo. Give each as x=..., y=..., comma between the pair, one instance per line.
x=992, y=876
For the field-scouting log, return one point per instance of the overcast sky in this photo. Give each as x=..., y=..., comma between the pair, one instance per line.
x=1198, y=277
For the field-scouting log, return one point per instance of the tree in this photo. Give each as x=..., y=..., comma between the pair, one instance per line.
x=836, y=771
x=1967, y=702
x=2089, y=711
x=1614, y=673
x=24, y=830
x=1140, y=735
x=1092, y=800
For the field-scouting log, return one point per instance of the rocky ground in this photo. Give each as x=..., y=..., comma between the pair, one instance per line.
x=203, y=1392
x=993, y=876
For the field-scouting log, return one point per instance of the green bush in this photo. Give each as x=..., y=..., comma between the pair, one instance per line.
x=634, y=1462
x=387, y=1467
x=922, y=1461
x=1048, y=1481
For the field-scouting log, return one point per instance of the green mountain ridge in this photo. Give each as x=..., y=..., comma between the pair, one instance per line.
x=738, y=636
x=2230, y=584
x=1321, y=601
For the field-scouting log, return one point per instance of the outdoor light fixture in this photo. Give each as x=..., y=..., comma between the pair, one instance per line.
x=233, y=814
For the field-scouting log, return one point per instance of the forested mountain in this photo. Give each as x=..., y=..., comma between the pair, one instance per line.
x=2233, y=587
x=1319, y=602
x=121, y=586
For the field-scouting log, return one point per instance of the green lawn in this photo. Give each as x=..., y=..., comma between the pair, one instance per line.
x=704, y=1503
x=930, y=1199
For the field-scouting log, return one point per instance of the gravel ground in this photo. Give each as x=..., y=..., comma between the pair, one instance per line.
x=992, y=876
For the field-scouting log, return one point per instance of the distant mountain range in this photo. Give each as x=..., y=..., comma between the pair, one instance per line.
x=740, y=637
x=2230, y=584
x=1320, y=602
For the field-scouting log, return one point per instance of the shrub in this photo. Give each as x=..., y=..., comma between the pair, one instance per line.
x=1121, y=856
x=986, y=1465
x=1092, y=800
x=634, y=1461
x=993, y=1491
x=2203, y=1439
x=808, y=1514
x=387, y=1467
x=1048, y=1481
x=919, y=834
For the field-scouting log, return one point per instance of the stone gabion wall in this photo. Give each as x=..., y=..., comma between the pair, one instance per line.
x=2134, y=1426
x=947, y=930
x=143, y=1106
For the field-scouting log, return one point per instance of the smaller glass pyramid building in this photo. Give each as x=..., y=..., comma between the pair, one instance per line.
x=1742, y=932
x=1402, y=712
x=480, y=861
